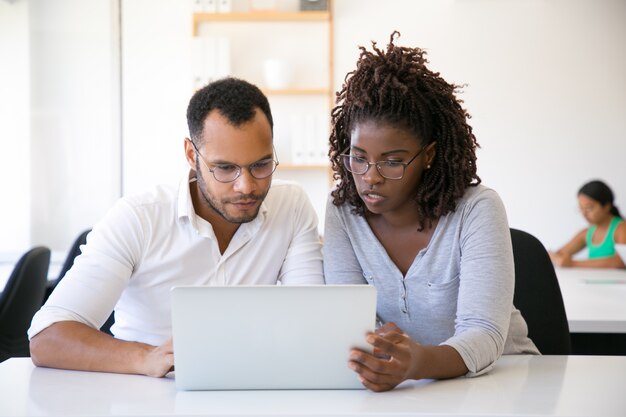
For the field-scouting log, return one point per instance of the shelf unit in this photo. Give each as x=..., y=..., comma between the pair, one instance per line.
x=288, y=17
x=258, y=16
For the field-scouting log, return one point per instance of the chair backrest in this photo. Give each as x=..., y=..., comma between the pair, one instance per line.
x=538, y=295
x=20, y=300
x=69, y=262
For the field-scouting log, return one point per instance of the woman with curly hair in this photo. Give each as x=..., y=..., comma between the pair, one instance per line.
x=410, y=217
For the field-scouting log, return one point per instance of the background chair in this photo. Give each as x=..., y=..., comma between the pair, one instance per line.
x=67, y=265
x=538, y=295
x=69, y=262
x=19, y=301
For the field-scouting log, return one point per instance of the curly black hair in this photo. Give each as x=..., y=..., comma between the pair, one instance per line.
x=235, y=99
x=396, y=88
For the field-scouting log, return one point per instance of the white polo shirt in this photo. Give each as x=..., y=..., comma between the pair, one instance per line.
x=149, y=243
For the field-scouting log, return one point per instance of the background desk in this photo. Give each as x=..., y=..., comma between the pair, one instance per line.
x=595, y=303
x=518, y=385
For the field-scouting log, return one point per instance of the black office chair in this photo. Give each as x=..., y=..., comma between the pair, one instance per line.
x=20, y=300
x=69, y=262
x=538, y=296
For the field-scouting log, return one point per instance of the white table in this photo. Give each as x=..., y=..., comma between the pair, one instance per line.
x=595, y=299
x=519, y=385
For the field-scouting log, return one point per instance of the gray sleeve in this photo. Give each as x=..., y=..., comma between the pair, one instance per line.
x=486, y=283
x=340, y=262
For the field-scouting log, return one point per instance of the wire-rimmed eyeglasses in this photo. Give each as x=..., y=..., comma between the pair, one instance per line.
x=230, y=172
x=392, y=170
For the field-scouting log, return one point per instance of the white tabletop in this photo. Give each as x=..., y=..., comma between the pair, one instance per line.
x=595, y=299
x=519, y=385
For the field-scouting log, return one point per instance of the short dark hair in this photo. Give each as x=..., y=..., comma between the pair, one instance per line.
x=600, y=192
x=235, y=99
x=395, y=87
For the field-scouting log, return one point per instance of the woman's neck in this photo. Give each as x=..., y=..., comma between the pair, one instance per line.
x=403, y=217
x=605, y=222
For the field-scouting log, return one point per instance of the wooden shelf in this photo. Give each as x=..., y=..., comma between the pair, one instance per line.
x=324, y=18
x=260, y=16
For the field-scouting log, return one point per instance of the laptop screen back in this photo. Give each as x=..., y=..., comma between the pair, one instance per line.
x=269, y=337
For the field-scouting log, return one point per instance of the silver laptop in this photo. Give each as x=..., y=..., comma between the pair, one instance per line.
x=269, y=337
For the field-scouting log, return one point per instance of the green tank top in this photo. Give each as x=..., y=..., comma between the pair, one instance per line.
x=607, y=247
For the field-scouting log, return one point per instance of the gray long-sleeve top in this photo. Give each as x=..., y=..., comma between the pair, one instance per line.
x=458, y=290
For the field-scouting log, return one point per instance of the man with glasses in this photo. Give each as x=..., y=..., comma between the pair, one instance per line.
x=227, y=224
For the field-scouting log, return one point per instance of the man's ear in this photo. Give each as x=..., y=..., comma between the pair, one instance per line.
x=190, y=154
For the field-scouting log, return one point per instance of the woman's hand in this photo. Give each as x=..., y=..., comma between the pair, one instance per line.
x=561, y=259
x=395, y=359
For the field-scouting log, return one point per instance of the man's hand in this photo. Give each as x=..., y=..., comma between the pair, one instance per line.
x=158, y=360
x=74, y=345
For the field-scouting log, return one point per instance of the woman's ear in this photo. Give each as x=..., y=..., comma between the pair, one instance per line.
x=190, y=154
x=431, y=151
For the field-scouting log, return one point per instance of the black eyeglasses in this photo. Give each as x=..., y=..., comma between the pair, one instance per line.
x=392, y=170
x=230, y=172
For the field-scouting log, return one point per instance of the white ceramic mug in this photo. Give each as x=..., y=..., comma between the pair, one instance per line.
x=277, y=74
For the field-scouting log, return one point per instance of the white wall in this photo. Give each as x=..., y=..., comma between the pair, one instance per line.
x=14, y=128
x=546, y=89
x=157, y=84
x=74, y=117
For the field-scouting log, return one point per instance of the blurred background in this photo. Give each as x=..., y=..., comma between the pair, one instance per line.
x=93, y=95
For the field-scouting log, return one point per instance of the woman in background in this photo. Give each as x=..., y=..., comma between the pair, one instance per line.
x=607, y=228
x=409, y=217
